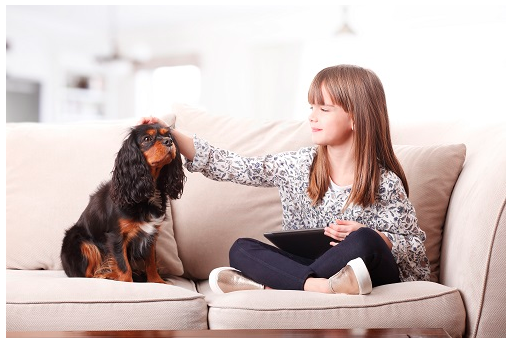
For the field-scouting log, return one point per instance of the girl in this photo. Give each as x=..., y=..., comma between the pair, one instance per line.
x=350, y=183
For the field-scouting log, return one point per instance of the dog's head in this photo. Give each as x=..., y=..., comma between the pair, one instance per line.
x=149, y=159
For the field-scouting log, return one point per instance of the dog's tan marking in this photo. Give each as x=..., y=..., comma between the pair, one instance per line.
x=151, y=269
x=109, y=269
x=93, y=255
x=159, y=156
x=129, y=228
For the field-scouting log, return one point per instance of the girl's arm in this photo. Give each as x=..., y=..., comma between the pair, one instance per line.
x=185, y=143
x=223, y=165
x=396, y=218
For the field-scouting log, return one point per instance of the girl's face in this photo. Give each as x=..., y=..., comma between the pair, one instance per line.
x=330, y=124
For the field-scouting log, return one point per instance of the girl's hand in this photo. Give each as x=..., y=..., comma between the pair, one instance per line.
x=151, y=120
x=341, y=229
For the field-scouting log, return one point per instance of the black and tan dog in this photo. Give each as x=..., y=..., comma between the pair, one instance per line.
x=119, y=227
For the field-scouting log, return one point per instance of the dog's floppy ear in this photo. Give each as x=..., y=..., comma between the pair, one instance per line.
x=172, y=177
x=131, y=177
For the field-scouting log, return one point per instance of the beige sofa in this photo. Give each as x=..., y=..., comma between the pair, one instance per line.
x=456, y=173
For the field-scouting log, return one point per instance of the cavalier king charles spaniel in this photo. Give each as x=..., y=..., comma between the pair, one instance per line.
x=117, y=232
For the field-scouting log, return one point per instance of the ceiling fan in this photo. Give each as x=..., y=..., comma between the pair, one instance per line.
x=116, y=57
x=345, y=28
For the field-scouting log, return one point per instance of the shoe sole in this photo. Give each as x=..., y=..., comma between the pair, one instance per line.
x=363, y=276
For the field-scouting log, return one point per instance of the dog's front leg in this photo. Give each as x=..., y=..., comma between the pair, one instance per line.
x=125, y=270
x=151, y=269
x=114, y=269
x=116, y=265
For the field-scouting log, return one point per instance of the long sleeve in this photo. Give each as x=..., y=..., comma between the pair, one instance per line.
x=223, y=165
x=395, y=216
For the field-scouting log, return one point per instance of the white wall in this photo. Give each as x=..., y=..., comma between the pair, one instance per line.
x=436, y=62
x=43, y=50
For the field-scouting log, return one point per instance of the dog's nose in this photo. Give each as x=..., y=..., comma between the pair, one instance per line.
x=167, y=141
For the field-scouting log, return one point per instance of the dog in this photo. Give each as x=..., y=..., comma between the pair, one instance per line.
x=117, y=232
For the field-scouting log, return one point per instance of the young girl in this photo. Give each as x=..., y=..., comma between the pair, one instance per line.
x=350, y=183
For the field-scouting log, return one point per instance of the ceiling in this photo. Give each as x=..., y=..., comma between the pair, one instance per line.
x=135, y=17
x=130, y=17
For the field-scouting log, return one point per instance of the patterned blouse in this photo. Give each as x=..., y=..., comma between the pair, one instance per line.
x=392, y=213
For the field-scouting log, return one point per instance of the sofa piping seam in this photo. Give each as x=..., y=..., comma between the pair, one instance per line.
x=454, y=290
x=487, y=267
x=109, y=302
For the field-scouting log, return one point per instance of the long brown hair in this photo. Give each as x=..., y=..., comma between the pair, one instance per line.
x=361, y=94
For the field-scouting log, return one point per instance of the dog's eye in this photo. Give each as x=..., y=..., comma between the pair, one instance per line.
x=146, y=139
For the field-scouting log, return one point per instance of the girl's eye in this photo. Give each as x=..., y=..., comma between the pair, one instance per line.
x=323, y=109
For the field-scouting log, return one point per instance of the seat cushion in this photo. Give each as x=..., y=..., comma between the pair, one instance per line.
x=48, y=300
x=401, y=305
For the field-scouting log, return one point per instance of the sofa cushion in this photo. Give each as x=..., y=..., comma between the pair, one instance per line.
x=229, y=211
x=402, y=305
x=431, y=172
x=48, y=300
x=51, y=171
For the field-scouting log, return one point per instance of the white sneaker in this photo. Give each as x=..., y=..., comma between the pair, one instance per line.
x=227, y=279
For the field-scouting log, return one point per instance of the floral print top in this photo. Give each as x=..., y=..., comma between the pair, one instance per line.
x=392, y=213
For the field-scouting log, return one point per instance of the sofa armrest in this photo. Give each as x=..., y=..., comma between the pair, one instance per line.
x=473, y=248
x=473, y=251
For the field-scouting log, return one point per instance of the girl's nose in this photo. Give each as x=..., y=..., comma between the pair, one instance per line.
x=312, y=116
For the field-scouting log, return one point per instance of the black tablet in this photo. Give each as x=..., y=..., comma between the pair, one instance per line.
x=308, y=243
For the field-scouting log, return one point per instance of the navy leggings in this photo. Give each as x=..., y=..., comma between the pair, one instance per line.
x=278, y=269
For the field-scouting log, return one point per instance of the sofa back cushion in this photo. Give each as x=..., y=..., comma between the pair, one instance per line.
x=431, y=173
x=210, y=216
x=51, y=171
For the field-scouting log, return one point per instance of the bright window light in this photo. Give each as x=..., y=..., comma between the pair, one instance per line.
x=158, y=89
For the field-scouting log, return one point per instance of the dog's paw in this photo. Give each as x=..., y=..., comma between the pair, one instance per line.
x=158, y=279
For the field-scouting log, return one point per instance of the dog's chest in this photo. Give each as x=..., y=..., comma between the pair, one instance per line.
x=140, y=229
x=141, y=237
x=152, y=226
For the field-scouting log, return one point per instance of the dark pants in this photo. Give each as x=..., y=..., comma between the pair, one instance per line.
x=278, y=269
